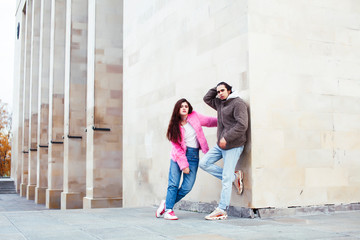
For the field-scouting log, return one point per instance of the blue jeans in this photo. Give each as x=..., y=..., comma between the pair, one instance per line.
x=226, y=174
x=174, y=193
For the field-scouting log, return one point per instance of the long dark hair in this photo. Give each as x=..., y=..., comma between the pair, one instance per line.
x=173, y=132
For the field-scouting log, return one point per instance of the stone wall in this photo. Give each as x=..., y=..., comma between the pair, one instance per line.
x=305, y=95
x=175, y=50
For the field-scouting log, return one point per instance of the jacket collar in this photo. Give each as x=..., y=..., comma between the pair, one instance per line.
x=234, y=94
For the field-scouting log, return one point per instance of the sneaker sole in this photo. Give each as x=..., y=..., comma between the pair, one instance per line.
x=217, y=218
x=159, y=213
x=240, y=189
x=171, y=219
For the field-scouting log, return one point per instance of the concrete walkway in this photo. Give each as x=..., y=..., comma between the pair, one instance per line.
x=23, y=219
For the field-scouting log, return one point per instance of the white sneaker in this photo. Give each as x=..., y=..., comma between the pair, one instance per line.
x=217, y=214
x=170, y=215
x=238, y=183
x=161, y=209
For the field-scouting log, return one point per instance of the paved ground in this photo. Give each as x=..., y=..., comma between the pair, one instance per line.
x=23, y=219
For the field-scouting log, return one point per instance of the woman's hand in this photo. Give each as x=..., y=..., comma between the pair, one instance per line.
x=186, y=170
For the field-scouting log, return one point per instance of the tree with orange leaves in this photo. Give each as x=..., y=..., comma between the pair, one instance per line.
x=5, y=147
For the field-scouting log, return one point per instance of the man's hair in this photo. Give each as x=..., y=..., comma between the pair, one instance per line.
x=227, y=86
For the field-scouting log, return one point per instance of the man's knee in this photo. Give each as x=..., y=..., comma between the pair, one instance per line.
x=203, y=164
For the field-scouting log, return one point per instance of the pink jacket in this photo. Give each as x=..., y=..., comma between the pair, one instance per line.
x=196, y=120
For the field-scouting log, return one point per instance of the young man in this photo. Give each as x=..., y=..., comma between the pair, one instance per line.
x=232, y=124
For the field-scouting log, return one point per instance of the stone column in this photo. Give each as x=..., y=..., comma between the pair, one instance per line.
x=26, y=97
x=33, y=111
x=104, y=105
x=56, y=104
x=43, y=106
x=20, y=109
x=75, y=105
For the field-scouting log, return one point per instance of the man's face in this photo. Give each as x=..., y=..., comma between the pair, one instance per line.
x=222, y=92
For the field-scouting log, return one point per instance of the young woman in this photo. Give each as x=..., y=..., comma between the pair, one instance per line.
x=187, y=137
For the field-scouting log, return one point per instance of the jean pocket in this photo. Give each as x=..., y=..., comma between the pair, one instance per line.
x=193, y=157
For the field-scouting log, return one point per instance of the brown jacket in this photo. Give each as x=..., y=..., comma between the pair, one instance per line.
x=232, y=118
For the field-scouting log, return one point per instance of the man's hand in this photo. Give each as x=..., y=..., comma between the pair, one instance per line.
x=222, y=143
x=186, y=170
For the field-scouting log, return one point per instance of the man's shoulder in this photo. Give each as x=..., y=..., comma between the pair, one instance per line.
x=239, y=101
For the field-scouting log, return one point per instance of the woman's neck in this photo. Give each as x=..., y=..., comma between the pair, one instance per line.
x=183, y=120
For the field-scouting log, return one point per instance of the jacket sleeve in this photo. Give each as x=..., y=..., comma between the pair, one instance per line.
x=207, y=121
x=241, y=117
x=210, y=98
x=179, y=155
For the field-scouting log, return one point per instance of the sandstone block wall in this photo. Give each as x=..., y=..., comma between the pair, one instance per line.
x=305, y=95
x=175, y=50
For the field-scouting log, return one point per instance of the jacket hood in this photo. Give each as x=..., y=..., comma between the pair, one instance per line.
x=234, y=94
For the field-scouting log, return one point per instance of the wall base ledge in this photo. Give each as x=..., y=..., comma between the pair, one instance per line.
x=203, y=207
x=306, y=210
x=243, y=212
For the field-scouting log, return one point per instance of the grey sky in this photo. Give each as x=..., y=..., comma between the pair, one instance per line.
x=7, y=26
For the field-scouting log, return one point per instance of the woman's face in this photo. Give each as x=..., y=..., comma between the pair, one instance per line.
x=184, y=109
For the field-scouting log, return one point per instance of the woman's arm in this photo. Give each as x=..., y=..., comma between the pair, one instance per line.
x=179, y=156
x=207, y=121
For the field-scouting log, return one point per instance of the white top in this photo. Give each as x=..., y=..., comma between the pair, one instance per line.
x=190, y=136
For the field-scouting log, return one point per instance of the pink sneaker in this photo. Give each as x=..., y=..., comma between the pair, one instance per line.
x=161, y=209
x=170, y=215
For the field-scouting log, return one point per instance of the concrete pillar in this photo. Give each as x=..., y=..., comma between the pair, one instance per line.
x=75, y=105
x=43, y=106
x=104, y=105
x=26, y=98
x=33, y=111
x=19, y=101
x=56, y=104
